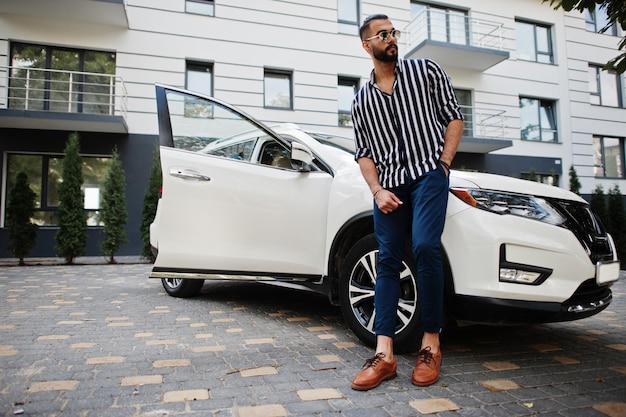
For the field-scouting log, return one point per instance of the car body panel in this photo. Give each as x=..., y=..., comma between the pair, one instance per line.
x=239, y=219
x=552, y=248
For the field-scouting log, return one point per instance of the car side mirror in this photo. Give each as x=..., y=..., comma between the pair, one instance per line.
x=301, y=156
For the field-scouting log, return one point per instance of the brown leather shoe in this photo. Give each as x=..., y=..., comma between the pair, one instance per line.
x=375, y=370
x=426, y=371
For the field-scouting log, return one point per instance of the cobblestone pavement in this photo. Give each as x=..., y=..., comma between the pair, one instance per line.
x=104, y=340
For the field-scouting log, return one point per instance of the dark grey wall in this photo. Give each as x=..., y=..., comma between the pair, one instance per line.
x=135, y=152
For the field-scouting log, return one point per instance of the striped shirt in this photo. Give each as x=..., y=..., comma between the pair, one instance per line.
x=403, y=133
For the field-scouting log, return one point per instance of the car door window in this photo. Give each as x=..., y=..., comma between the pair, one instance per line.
x=202, y=125
x=239, y=150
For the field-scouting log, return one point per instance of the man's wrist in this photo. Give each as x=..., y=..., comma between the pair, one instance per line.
x=445, y=164
x=377, y=191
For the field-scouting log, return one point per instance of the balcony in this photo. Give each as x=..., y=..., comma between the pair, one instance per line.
x=105, y=12
x=484, y=131
x=33, y=98
x=456, y=40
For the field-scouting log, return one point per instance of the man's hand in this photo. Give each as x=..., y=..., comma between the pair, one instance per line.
x=387, y=201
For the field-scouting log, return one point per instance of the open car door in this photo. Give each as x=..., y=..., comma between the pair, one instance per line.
x=230, y=205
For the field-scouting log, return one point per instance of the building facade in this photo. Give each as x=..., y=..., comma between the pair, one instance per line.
x=529, y=79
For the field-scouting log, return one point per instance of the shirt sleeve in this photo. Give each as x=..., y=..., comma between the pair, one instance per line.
x=448, y=108
x=361, y=141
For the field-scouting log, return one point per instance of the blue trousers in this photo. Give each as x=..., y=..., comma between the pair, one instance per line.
x=423, y=214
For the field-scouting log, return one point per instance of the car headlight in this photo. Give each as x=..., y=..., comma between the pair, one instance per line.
x=500, y=202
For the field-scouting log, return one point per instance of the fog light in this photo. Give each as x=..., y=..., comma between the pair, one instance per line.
x=518, y=275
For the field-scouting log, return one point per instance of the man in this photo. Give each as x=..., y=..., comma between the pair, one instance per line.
x=407, y=126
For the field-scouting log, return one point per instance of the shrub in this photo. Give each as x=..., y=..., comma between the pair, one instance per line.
x=71, y=238
x=150, y=201
x=20, y=210
x=113, y=212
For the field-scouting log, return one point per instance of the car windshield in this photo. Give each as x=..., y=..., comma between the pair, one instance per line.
x=345, y=144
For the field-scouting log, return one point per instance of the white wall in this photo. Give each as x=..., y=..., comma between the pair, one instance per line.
x=302, y=37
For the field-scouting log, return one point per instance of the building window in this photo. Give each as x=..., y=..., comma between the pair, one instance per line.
x=608, y=157
x=538, y=120
x=443, y=23
x=277, y=89
x=44, y=176
x=464, y=98
x=348, y=16
x=605, y=87
x=205, y=7
x=60, y=79
x=346, y=90
x=199, y=79
x=534, y=42
x=598, y=21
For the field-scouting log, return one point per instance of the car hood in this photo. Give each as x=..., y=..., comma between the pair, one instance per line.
x=465, y=179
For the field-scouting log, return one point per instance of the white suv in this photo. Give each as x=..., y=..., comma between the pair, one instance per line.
x=242, y=201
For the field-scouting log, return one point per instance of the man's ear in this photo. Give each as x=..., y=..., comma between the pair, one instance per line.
x=366, y=46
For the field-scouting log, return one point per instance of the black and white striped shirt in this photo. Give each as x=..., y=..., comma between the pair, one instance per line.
x=403, y=133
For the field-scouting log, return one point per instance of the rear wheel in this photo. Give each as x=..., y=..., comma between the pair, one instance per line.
x=181, y=287
x=356, y=296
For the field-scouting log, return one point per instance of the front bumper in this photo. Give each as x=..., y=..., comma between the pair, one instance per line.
x=589, y=299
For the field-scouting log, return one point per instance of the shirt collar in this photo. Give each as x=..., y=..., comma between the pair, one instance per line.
x=398, y=70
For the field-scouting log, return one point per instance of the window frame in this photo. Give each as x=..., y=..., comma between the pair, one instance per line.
x=208, y=4
x=277, y=73
x=349, y=26
x=467, y=110
x=599, y=92
x=549, y=53
x=43, y=197
x=542, y=104
x=447, y=11
x=199, y=67
x=591, y=22
x=346, y=81
x=80, y=96
x=601, y=162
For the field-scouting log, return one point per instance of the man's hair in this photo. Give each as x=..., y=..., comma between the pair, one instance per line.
x=366, y=23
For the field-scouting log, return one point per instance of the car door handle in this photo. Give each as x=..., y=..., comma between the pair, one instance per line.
x=188, y=175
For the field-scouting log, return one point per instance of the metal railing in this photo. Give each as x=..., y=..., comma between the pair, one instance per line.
x=455, y=28
x=484, y=123
x=23, y=88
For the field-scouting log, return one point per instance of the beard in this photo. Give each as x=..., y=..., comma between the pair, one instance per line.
x=389, y=54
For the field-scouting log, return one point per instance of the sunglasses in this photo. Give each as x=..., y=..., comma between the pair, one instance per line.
x=383, y=35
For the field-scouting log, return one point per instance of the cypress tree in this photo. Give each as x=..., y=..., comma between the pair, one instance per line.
x=574, y=183
x=150, y=202
x=113, y=212
x=532, y=174
x=71, y=238
x=617, y=216
x=598, y=204
x=20, y=210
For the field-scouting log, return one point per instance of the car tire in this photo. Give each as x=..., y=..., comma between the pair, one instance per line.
x=356, y=296
x=181, y=287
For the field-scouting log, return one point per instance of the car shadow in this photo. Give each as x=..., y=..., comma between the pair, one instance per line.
x=500, y=341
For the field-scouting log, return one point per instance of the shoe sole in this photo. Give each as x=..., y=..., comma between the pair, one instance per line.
x=369, y=387
x=424, y=384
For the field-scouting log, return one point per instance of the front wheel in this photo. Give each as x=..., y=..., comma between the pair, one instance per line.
x=356, y=296
x=181, y=287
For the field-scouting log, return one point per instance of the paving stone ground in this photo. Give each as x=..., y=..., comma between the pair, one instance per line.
x=96, y=340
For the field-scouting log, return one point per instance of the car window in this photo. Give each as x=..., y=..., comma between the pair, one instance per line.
x=238, y=150
x=202, y=125
x=345, y=144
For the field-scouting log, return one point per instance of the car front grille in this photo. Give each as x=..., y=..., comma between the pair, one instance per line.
x=587, y=227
